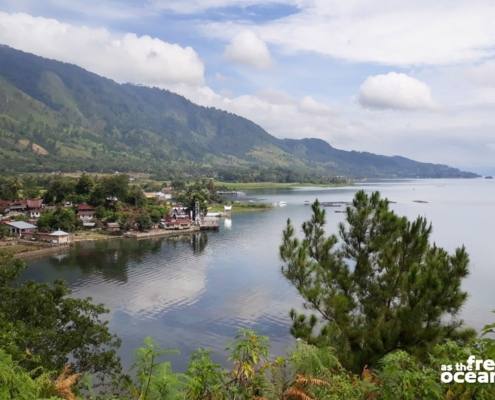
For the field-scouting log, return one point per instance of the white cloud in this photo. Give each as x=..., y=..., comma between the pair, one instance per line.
x=483, y=74
x=124, y=57
x=247, y=48
x=310, y=105
x=383, y=32
x=395, y=91
x=194, y=6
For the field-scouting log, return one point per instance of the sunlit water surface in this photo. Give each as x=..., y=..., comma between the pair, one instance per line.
x=197, y=291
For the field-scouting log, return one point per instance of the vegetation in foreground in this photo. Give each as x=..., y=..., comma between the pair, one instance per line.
x=383, y=301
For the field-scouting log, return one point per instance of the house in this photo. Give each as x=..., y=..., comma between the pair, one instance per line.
x=4, y=207
x=20, y=228
x=176, y=223
x=112, y=227
x=30, y=207
x=59, y=237
x=34, y=208
x=86, y=214
x=158, y=196
x=178, y=212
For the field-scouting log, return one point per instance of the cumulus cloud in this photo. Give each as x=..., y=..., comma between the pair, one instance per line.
x=124, y=57
x=277, y=112
x=310, y=105
x=247, y=48
x=384, y=32
x=395, y=91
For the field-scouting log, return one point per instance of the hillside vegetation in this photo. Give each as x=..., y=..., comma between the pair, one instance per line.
x=58, y=117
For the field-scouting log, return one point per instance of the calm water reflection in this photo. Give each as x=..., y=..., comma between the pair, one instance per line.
x=197, y=291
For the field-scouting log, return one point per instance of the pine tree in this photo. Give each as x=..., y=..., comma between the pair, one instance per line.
x=383, y=286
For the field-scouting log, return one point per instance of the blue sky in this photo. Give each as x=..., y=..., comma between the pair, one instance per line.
x=415, y=79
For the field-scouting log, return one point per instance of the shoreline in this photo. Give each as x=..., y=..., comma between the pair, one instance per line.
x=154, y=233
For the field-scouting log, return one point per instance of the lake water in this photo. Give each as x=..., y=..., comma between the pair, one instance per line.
x=197, y=291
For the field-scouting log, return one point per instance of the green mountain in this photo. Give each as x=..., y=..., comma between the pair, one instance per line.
x=58, y=117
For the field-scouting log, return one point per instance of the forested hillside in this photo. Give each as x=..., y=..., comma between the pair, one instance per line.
x=58, y=117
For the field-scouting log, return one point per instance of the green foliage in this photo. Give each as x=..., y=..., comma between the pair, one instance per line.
x=249, y=353
x=135, y=196
x=385, y=287
x=10, y=188
x=59, y=189
x=207, y=380
x=62, y=218
x=4, y=231
x=84, y=185
x=16, y=383
x=155, y=380
x=44, y=329
x=401, y=373
x=143, y=221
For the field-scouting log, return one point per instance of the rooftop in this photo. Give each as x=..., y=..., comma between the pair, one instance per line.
x=59, y=233
x=21, y=225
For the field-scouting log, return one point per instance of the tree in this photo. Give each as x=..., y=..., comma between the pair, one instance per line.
x=10, y=188
x=143, y=221
x=43, y=328
x=136, y=196
x=84, y=185
x=385, y=287
x=4, y=231
x=61, y=218
x=59, y=189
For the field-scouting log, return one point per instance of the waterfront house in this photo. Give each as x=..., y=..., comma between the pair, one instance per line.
x=178, y=212
x=86, y=214
x=176, y=223
x=112, y=227
x=20, y=228
x=59, y=237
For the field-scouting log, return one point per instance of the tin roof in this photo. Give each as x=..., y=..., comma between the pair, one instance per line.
x=21, y=225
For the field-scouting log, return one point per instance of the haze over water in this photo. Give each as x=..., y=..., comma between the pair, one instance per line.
x=197, y=291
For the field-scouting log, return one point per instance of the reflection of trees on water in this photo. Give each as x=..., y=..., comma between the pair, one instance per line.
x=199, y=241
x=110, y=258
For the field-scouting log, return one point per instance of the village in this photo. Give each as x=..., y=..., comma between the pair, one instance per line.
x=70, y=210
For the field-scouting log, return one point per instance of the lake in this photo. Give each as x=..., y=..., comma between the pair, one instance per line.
x=197, y=291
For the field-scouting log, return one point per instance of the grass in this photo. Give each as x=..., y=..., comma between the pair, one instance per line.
x=18, y=248
x=81, y=236
x=238, y=207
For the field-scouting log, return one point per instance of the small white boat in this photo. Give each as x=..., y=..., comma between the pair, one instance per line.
x=227, y=208
x=282, y=203
x=214, y=214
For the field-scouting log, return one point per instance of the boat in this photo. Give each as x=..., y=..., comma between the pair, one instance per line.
x=307, y=202
x=282, y=203
x=227, y=208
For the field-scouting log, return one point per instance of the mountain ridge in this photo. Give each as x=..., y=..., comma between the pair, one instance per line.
x=57, y=116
